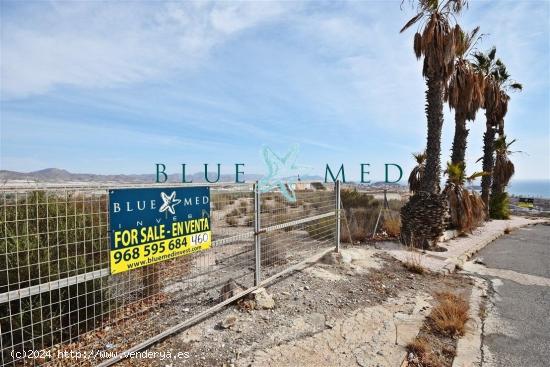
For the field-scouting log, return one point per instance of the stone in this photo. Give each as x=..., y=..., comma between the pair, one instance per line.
x=228, y=322
x=263, y=299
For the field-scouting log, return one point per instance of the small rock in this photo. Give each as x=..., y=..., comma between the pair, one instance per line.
x=329, y=323
x=228, y=322
x=306, y=288
x=186, y=309
x=263, y=299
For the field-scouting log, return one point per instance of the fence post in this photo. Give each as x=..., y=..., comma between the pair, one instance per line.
x=338, y=206
x=257, y=239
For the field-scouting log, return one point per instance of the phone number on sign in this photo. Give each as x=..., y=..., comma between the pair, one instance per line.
x=149, y=253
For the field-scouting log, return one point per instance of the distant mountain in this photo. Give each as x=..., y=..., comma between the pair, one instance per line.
x=55, y=175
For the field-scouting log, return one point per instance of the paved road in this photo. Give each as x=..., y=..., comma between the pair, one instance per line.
x=516, y=331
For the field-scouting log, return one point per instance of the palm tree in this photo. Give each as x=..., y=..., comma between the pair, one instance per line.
x=502, y=173
x=417, y=173
x=497, y=84
x=464, y=94
x=436, y=39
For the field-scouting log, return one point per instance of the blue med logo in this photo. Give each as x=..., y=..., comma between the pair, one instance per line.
x=169, y=202
x=282, y=172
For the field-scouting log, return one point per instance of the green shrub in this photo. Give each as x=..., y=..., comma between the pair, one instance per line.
x=499, y=206
x=49, y=237
x=356, y=199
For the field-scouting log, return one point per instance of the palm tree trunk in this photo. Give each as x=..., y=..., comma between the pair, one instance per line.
x=497, y=187
x=423, y=216
x=434, y=113
x=488, y=163
x=460, y=139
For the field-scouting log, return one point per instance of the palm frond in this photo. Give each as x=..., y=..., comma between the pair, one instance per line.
x=412, y=21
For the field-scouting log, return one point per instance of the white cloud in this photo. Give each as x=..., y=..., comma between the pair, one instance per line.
x=92, y=44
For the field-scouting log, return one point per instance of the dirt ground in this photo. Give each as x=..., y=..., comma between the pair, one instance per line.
x=361, y=311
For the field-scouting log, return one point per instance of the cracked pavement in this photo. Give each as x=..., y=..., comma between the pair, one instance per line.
x=516, y=329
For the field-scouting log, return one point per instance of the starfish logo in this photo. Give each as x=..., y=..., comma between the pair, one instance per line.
x=282, y=172
x=169, y=202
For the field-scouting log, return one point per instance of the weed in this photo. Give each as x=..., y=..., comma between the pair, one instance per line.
x=450, y=315
x=418, y=346
x=414, y=262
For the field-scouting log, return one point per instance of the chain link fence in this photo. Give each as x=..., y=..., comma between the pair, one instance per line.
x=59, y=304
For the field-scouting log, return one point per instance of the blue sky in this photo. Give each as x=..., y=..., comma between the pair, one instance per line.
x=114, y=87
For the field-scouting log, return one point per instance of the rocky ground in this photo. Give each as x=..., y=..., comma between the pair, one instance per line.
x=360, y=309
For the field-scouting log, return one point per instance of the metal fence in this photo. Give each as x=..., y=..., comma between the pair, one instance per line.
x=59, y=304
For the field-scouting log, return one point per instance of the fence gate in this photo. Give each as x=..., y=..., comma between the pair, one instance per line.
x=60, y=304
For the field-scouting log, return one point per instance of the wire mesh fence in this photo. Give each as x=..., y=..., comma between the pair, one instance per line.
x=370, y=215
x=59, y=304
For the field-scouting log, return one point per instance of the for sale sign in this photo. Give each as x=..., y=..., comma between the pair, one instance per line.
x=150, y=225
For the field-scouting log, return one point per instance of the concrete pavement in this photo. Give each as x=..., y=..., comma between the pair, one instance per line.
x=458, y=250
x=516, y=329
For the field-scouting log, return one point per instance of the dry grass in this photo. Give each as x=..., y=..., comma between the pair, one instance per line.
x=414, y=263
x=358, y=234
x=392, y=226
x=414, y=267
x=423, y=356
x=418, y=346
x=450, y=315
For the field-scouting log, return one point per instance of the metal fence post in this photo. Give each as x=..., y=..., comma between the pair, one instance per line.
x=257, y=239
x=338, y=206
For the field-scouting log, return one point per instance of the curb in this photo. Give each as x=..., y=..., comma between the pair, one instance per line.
x=458, y=261
x=468, y=348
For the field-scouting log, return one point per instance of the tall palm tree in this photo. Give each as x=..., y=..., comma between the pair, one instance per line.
x=497, y=84
x=435, y=40
x=502, y=173
x=464, y=94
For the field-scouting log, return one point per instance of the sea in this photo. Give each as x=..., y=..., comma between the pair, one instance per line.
x=530, y=188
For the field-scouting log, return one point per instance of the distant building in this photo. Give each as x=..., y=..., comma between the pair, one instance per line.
x=300, y=185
